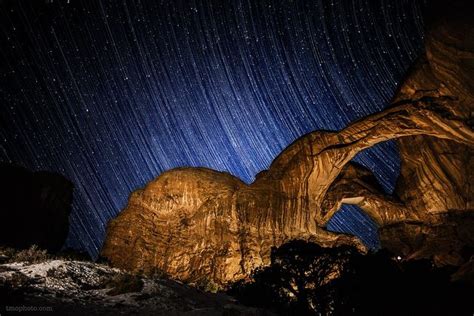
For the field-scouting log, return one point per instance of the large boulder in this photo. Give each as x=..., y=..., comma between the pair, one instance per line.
x=35, y=208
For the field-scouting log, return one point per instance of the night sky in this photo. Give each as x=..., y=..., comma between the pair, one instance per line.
x=112, y=93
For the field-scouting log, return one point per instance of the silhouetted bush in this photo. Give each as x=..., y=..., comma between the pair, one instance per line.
x=306, y=279
x=71, y=254
x=30, y=255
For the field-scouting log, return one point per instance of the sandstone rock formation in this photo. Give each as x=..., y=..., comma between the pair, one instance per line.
x=437, y=174
x=197, y=223
x=35, y=208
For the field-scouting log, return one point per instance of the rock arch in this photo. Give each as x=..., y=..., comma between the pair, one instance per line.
x=196, y=223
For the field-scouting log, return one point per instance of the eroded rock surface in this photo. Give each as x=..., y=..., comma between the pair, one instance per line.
x=196, y=223
x=437, y=174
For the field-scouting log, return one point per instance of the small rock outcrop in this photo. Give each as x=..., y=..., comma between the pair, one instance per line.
x=35, y=208
x=196, y=223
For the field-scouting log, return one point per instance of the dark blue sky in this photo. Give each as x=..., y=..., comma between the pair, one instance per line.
x=112, y=93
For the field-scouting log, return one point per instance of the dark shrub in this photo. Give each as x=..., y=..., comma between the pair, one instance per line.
x=306, y=279
x=30, y=255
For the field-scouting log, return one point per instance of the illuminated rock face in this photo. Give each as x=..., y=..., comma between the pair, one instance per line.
x=437, y=175
x=196, y=223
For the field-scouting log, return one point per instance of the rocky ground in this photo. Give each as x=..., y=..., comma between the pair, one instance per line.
x=71, y=287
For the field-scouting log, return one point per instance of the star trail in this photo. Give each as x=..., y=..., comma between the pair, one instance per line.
x=112, y=93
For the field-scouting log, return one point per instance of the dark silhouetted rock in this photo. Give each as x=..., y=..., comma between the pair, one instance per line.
x=35, y=208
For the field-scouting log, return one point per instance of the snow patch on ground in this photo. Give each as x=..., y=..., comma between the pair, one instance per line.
x=97, y=289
